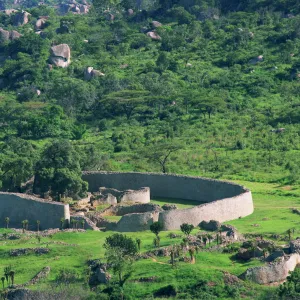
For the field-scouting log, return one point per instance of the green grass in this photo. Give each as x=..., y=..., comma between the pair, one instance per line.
x=272, y=214
x=180, y=203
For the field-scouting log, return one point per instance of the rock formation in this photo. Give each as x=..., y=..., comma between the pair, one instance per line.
x=90, y=73
x=60, y=55
x=8, y=12
x=74, y=7
x=153, y=35
x=41, y=23
x=273, y=272
x=156, y=24
x=21, y=18
x=6, y=35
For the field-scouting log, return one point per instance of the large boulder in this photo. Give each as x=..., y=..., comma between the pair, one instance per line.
x=40, y=23
x=156, y=24
x=295, y=246
x=247, y=254
x=60, y=55
x=153, y=35
x=21, y=18
x=6, y=35
x=9, y=12
x=273, y=272
x=212, y=225
x=99, y=274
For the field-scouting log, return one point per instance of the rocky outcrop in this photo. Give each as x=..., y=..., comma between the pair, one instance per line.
x=295, y=246
x=99, y=274
x=90, y=73
x=247, y=254
x=60, y=55
x=153, y=35
x=41, y=23
x=210, y=226
x=136, y=222
x=74, y=7
x=25, y=251
x=156, y=24
x=273, y=272
x=88, y=224
x=9, y=12
x=21, y=18
x=6, y=35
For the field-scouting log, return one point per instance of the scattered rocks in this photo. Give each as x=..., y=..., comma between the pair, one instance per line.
x=60, y=55
x=295, y=211
x=295, y=246
x=247, y=254
x=163, y=251
x=230, y=279
x=130, y=12
x=169, y=207
x=210, y=226
x=278, y=130
x=25, y=251
x=147, y=279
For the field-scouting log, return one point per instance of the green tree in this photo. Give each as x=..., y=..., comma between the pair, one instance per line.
x=186, y=228
x=7, y=222
x=3, y=280
x=58, y=171
x=120, y=253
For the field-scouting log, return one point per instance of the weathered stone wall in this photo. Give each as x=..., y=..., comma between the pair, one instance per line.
x=227, y=201
x=121, y=210
x=19, y=207
x=165, y=185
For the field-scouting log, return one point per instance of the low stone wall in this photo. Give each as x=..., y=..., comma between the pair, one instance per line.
x=136, y=222
x=19, y=207
x=225, y=201
x=273, y=272
x=121, y=210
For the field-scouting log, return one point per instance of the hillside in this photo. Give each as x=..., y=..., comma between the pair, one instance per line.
x=200, y=87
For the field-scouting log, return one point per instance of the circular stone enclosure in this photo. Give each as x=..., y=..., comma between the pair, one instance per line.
x=218, y=200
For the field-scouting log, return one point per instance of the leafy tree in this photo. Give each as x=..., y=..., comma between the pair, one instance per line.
x=186, y=228
x=7, y=222
x=58, y=171
x=120, y=253
x=156, y=228
x=160, y=152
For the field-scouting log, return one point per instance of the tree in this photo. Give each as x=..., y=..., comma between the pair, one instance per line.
x=58, y=172
x=3, y=280
x=192, y=251
x=156, y=228
x=7, y=222
x=186, y=228
x=139, y=243
x=12, y=276
x=82, y=223
x=160, y=152
x=289, y=232
x=62, y=222
x=120, y=253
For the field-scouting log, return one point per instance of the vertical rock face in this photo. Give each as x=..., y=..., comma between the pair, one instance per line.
x=60, y=55
x=21, y=18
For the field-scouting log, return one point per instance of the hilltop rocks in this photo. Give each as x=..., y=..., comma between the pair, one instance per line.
x=74, y=7
x=153, y=35
x=9, y=12
x=41, y=23
x=130, y=12
x=273, y=272
x=90, y=73
x=60, y=55
x=6, y=35
x=21, y=18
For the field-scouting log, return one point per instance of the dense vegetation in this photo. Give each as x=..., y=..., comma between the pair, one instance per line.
x=197, y=101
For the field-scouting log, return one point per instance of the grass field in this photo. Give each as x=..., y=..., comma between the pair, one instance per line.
x=272, y=214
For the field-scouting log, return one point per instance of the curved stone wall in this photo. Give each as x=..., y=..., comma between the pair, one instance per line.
x=19, y=207
x=224, y=201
